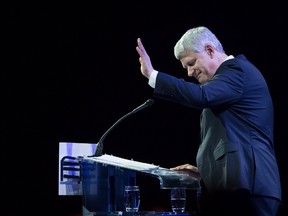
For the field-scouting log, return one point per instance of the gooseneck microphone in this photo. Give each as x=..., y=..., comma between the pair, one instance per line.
x=99, y=147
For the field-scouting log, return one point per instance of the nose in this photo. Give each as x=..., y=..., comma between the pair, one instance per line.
x=190, y=71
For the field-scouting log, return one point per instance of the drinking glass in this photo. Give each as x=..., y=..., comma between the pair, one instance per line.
x=178, y=200
x=132, y=198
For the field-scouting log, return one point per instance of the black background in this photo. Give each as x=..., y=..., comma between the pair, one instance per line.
x=72, y=71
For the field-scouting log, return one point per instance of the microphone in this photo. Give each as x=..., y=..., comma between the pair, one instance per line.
x=99, y=148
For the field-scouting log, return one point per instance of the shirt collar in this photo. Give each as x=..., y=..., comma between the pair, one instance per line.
x=229, y=57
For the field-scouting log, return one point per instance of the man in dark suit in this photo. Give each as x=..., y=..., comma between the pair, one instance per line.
x=235, y=159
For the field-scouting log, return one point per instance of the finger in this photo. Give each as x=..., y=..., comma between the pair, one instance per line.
x=139, y=43
x=177, y=167
x=141, y=47
x=139, y=51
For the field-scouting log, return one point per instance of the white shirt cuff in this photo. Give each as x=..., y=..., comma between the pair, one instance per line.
x=152, y=78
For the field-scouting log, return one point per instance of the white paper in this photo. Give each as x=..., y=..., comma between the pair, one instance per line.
x=124, y=163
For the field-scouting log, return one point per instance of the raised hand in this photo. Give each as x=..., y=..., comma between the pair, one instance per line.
x=144, y=59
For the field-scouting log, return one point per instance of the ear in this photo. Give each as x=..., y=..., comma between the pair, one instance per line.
x=209, y=50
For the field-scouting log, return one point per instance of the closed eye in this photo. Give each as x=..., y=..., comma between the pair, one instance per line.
x=190, y=63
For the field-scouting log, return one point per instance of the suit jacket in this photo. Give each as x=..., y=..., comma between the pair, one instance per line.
x=237, y=147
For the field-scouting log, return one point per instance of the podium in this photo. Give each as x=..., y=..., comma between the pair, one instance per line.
x=103, y=179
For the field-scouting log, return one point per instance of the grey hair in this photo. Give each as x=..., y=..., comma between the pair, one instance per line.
x=195, y=40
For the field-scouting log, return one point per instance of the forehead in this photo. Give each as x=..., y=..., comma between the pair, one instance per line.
x=189, y=58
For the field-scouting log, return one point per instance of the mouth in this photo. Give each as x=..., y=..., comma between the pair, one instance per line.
x=198, y=75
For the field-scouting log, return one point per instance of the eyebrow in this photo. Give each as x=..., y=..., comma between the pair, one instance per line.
x=190, y=63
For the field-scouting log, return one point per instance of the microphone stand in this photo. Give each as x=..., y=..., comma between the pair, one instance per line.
x=99, y=148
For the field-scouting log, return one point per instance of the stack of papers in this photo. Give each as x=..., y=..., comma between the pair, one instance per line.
x=124, y=163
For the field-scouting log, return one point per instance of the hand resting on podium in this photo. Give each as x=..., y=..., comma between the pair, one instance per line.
x=187, y=168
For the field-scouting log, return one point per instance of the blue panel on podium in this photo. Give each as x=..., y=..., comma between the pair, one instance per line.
x=103, y=186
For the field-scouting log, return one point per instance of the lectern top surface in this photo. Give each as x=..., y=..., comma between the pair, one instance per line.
x=124, y=163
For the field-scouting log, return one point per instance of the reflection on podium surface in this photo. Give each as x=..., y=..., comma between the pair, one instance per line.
x=104, y=177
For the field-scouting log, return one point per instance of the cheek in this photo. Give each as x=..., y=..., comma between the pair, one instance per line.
x=204, y=77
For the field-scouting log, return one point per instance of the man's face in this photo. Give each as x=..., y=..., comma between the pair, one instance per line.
x=199, y=66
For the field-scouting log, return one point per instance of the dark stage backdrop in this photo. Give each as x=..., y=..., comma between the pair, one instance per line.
x=73, y=71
